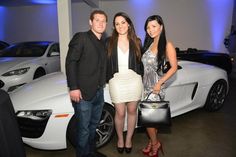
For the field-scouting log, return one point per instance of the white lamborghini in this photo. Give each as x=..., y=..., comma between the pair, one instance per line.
x=45, y=113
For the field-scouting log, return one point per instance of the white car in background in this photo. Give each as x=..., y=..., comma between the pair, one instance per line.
x=23, y=62
x=45, y=113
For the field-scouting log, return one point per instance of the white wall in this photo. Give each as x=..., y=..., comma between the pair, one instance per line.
x=80, y=17
x=27, y=23
x=201, y=24
x=39, y=22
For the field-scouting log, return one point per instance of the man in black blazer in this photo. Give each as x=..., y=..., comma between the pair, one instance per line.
x=86, y=72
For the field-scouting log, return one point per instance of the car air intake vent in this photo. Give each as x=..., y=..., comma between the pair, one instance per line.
x=31, y=128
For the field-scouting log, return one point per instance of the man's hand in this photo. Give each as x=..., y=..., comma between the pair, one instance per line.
x=75, y=95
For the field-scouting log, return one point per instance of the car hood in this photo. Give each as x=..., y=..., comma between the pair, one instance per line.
x=11, y=63
x=40, y=92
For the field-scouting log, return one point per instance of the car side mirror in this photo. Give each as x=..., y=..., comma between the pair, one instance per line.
x=54, y=54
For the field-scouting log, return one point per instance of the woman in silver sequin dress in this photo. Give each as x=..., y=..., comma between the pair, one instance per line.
x=151, y=77
x=156, y=50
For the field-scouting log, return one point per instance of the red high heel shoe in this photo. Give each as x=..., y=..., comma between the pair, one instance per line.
x=155, y=149
x=147, y=149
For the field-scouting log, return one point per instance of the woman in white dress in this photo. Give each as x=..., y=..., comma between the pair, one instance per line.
x=124, y=77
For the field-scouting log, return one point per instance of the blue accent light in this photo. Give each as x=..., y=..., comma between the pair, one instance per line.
x=6, y=59
x=44, y=1
x=218, y=12
x=140, y=2
x=2, y=22
x=61, y=81
x=140, y=10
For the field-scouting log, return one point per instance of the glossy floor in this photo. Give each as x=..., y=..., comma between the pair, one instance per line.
x=195, y=134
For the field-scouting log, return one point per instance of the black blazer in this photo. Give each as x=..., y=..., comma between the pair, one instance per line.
x=112, y=61
x=86, y=64
x=10, y=136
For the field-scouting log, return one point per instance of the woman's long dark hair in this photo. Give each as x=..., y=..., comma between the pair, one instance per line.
x=131, y=36
x=161, y=49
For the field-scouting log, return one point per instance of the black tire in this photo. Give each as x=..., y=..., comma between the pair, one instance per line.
x=105, y=129
x=71, y=131
x=39, y=73
x=216, y=96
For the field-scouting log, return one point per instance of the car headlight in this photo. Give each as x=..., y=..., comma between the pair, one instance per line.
x=16, y=72
x=34, y=114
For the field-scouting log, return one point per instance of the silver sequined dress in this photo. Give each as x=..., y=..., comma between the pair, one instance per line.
x=150, y=76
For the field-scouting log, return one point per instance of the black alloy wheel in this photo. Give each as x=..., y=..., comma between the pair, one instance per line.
x=216, y=96
x=104, y=131
x=106, y=127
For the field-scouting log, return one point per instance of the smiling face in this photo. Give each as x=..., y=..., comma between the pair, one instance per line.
x=98, y=24
x=154, y=29
x=121, y=25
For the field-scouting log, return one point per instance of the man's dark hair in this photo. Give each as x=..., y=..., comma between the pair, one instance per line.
x=98, y=12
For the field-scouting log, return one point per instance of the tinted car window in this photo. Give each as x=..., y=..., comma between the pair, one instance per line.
x=24, y=50
x=54, y=48
x=3, y=45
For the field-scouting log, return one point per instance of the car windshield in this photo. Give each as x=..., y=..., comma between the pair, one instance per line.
x=31, y=49
x=3, y=45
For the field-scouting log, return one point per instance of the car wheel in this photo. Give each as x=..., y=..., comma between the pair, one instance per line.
x=71, y=131
x=38, y=73
x=216, y=96
x=106, y=127
x=104, y=131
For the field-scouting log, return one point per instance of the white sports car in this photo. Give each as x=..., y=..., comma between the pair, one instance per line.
x=45, y=113
x=23, y=62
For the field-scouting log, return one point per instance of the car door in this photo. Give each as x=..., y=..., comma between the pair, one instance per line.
x=180, y=91
x=53, y=58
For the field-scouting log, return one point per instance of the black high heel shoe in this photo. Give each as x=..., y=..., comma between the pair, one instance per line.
x=128, y=150
x=120, y=149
